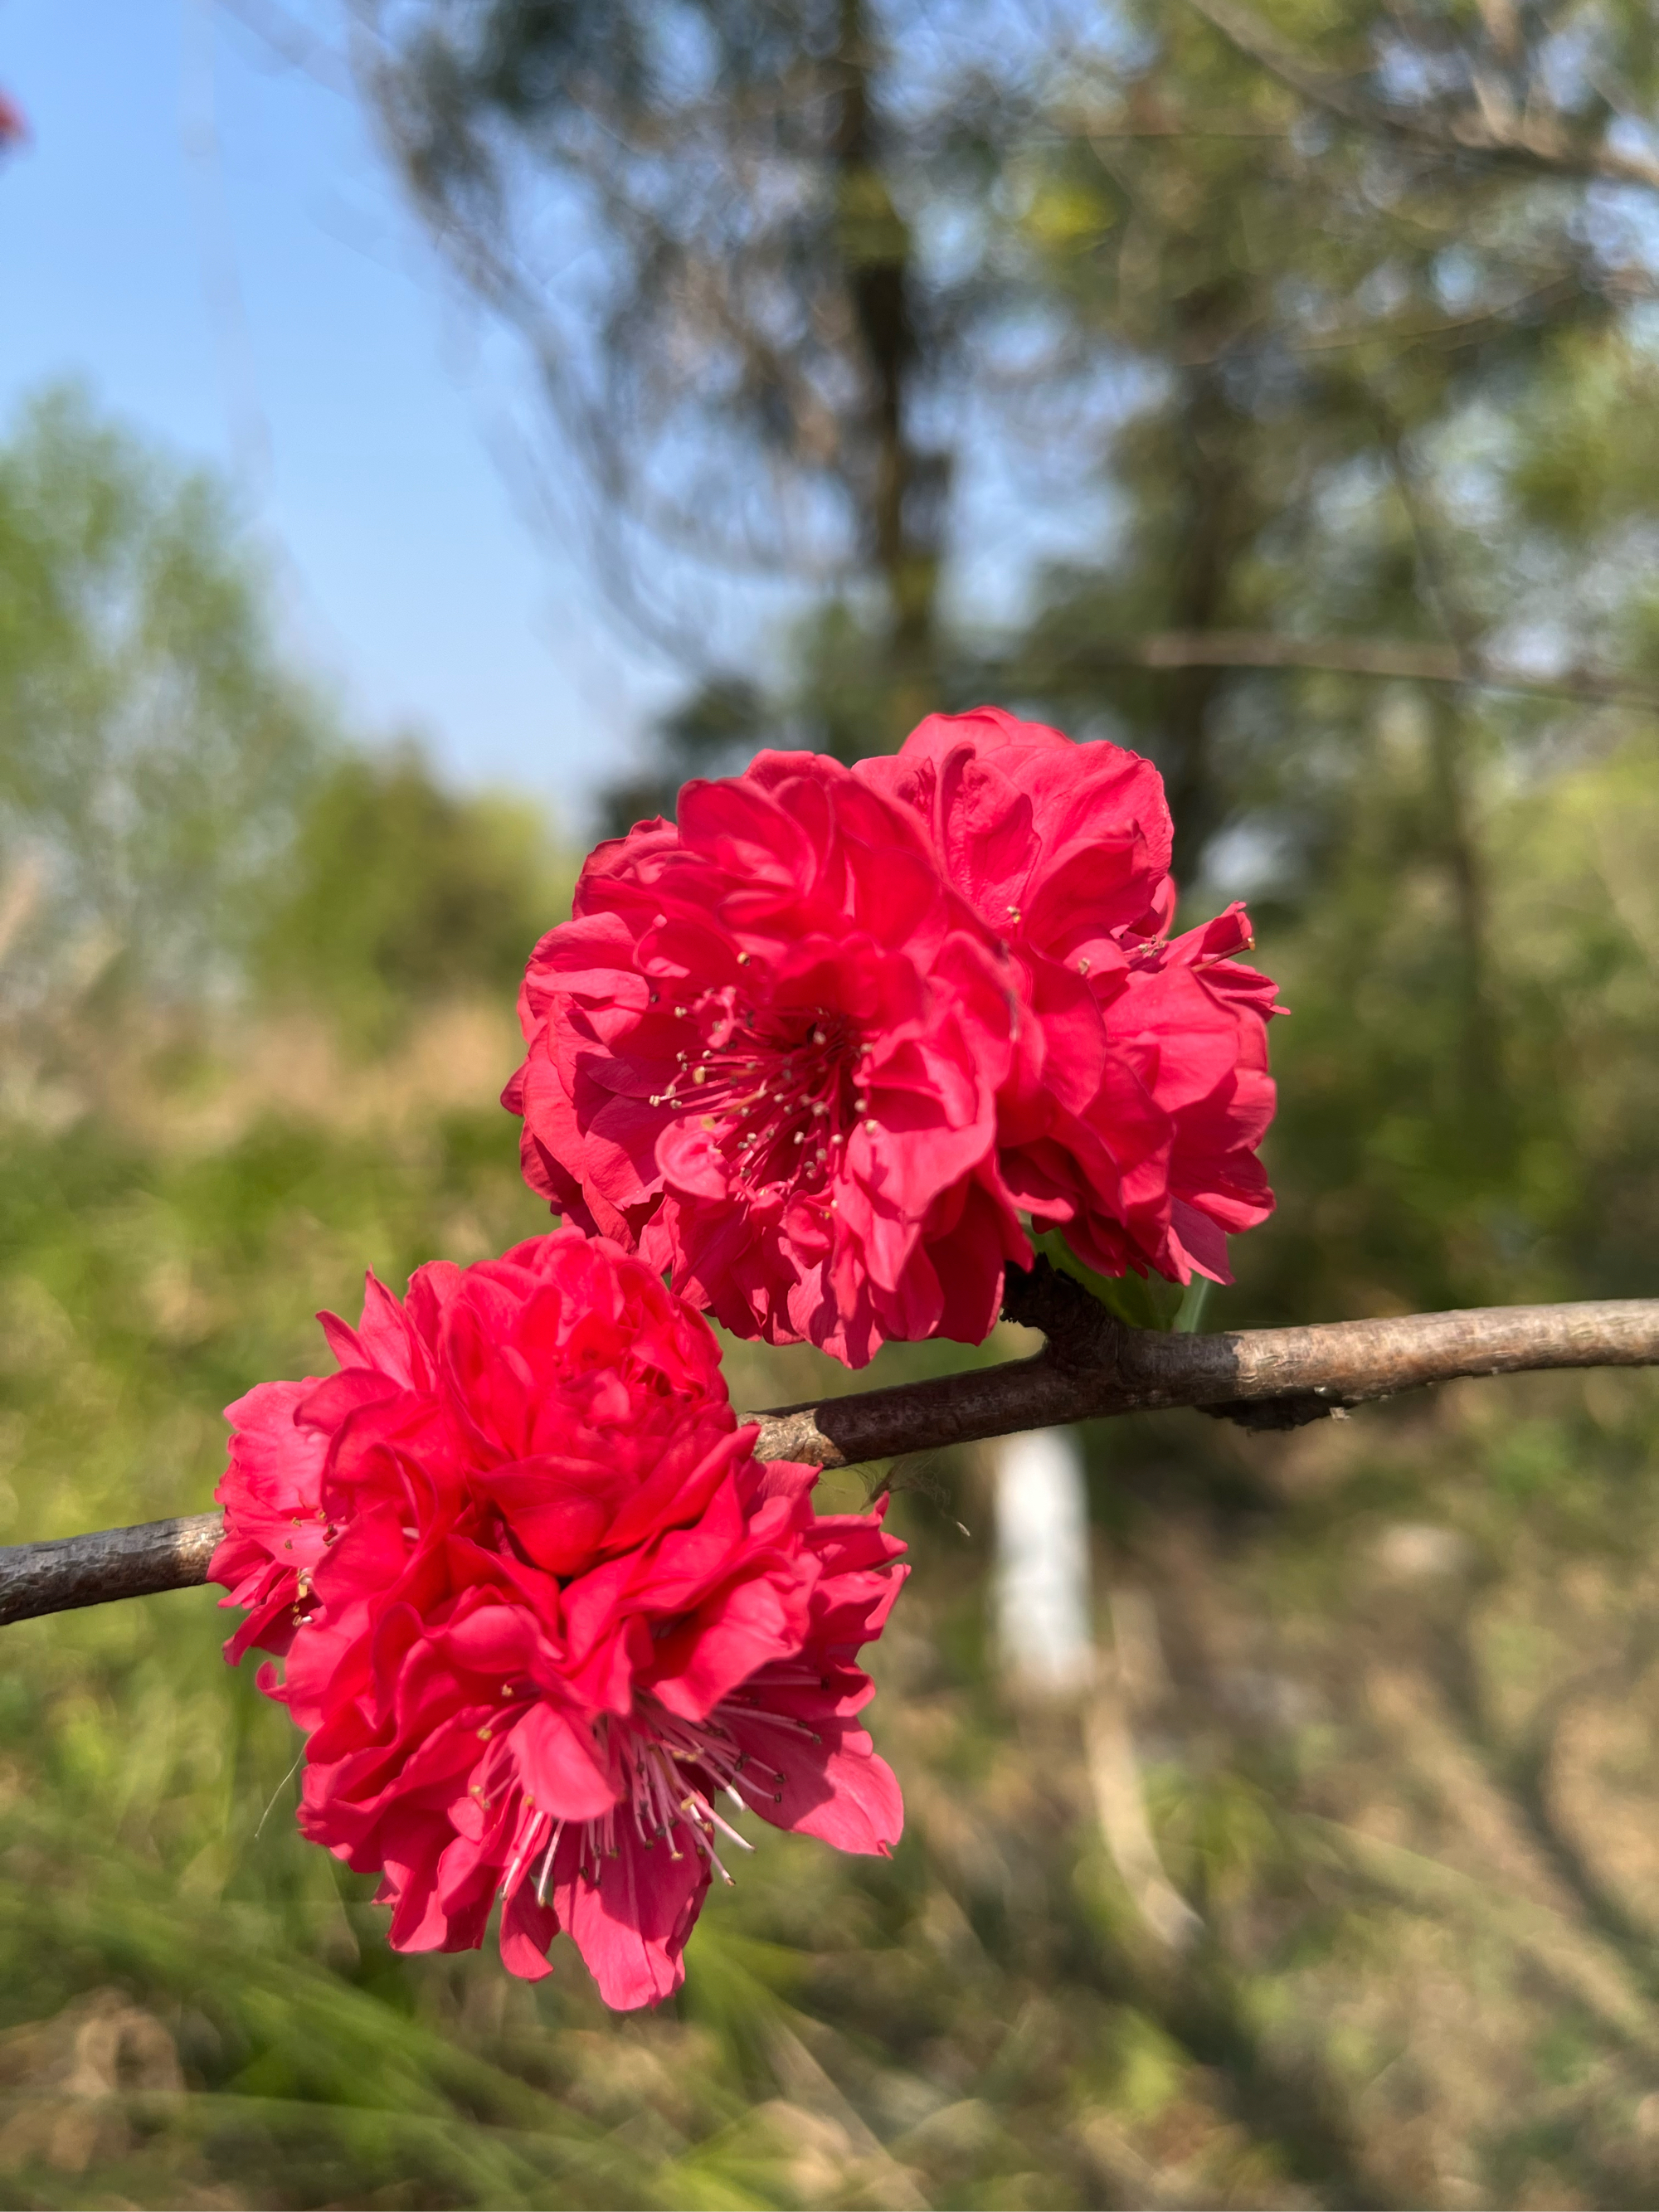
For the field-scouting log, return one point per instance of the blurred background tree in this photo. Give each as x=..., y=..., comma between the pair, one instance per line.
x=1278, y=339
x=1272, y=389
x=153, y=745
x=396, y=896
x=181, y=814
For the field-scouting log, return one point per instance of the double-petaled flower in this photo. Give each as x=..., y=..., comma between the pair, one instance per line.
x=551, y=1629
x=826, y=1048
x=765, y=1052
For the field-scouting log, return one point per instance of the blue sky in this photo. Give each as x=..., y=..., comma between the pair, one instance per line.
x=207, y=237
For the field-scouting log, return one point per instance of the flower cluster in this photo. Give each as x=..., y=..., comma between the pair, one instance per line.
x=541, y=1610
x=825, y=1048
x=824, y=1053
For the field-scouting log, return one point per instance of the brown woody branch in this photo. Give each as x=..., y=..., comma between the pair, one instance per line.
x=1092, y=1365
x=75, y=1570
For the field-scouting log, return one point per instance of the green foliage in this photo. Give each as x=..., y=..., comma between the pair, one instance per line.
x=154, y=746
x=1452, y=1132
x=176, y=814
x=396, y=895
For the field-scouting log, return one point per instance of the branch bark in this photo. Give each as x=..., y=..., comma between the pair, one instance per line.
x=76, y=1570
x=1092, y=1365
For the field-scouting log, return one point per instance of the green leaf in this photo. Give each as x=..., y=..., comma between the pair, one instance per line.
x=1142, y=1301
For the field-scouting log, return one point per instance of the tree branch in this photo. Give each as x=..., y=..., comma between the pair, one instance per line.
x=1540, y=143
x=1092, y=1365
x=1386, y=657
x=76, y=1570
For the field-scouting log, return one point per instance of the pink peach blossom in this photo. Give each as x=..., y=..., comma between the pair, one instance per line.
x=541, y=1610
x=765, y=1052
x=1141, y=1089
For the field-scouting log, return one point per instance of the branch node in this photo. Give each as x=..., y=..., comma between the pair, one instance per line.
x=1080, y=1331
x=1290, y=1413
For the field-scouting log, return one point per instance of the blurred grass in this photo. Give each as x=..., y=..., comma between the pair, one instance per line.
x=1390, y=1682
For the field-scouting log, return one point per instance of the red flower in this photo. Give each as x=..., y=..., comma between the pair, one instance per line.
x=820, y=1047
x=766, y=1052
x=1141, y=1092
x=541, y=1607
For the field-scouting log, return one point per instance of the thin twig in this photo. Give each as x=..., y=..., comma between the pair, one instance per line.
x=1092, y=1365
x=1542, y=144
x=1386, y=657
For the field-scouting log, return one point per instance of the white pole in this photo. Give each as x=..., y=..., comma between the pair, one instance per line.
x=1045, y=1635
x=1043, y=1627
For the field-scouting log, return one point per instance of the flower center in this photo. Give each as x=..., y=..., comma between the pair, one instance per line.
x=781, y=1089
x=671, y=1771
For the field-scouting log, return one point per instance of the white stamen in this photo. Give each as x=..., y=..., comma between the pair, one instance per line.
x=547, y=1863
